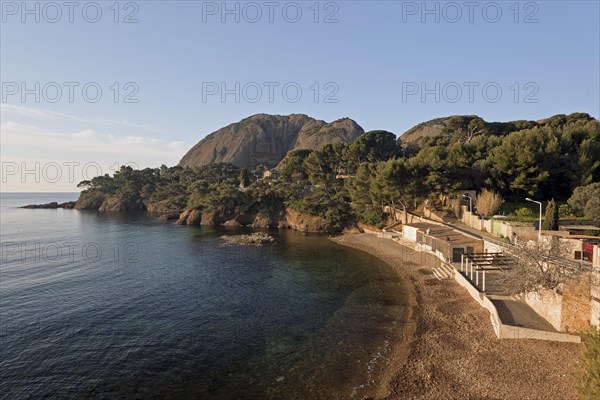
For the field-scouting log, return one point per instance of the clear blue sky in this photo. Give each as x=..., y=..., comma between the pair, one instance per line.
x=372, y=55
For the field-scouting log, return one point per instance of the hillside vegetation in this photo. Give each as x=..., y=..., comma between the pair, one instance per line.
x=344, y=182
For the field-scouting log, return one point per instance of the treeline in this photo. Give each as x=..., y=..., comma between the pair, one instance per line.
x=543, y=160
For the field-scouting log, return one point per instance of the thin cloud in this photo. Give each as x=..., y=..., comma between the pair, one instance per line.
x=54, y=115
x=29, y=136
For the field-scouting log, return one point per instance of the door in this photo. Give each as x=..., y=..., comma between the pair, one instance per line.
x=456, y=253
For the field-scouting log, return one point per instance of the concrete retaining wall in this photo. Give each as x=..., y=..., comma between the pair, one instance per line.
x=482, y=300
x=572, y=309
x=504, y=331
x=548, y=304
x=595, y=289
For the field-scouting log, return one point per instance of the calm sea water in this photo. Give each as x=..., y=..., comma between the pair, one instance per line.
x=96, y=305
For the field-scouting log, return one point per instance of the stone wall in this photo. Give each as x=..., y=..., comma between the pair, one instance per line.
x=571, y=308
x=576, y=310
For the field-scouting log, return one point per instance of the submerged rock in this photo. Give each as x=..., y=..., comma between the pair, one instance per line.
x=253, y=239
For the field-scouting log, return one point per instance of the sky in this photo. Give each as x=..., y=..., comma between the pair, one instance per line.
x=90, y=86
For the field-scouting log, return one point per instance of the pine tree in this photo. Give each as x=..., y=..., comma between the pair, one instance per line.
x=551, y=216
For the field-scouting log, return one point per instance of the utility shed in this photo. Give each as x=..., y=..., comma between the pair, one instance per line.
x=409, y=231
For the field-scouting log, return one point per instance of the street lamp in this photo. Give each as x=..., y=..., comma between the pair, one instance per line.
x=470, y=202
x=540, y=226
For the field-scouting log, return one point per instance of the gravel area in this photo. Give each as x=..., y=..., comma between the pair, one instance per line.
x=450, y=350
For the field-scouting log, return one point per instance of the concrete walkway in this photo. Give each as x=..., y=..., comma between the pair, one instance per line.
x=516, y=313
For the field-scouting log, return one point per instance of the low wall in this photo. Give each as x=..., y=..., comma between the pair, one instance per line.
x=572, y=309
x=491, y=247
x=388, y=235
x=487, y=225
x=525, y=233
x=595, y=289
x=403, y=216
x=576, y=305
x=504, y=331
x=432, y=215
x=482, y=300
x=548, y=304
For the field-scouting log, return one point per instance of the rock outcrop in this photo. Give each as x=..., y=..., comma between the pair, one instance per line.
x=90, y=200
x=162, y=207
x=169, y=216
x=431, y=128
x=265, y=221
x=291, y=220
x=51, y=205
x=117, y=204
x=190, y=217
x=306, y=223
x=266, y=139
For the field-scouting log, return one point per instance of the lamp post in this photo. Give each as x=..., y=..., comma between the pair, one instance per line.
x=540, y=226
x=470, y=202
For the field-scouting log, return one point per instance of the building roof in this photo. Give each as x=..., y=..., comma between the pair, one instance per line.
x=421, y=225
x=443, y=233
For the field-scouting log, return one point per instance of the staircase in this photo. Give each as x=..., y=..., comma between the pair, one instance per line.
x=443, y=271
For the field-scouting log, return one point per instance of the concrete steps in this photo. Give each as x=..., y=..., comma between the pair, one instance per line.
x=443, y=271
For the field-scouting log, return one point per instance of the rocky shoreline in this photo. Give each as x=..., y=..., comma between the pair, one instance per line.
x=52, y=205
x=289, y=219
x=449, y=350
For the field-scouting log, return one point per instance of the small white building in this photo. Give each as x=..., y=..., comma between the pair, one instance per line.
x=409, y=231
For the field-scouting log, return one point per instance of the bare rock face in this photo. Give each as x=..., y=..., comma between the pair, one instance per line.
x=305, y=223
x=116, y=204
x=241, y=220
x=89, y=200
x=211, y=219
x=190, y=217
x=169, y=216
x=163, y=207
x=431, y=128
x=265, y=221
x=183, y=217
x=266, y=139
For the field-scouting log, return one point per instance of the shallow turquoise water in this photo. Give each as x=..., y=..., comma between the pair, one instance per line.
x=125, y=306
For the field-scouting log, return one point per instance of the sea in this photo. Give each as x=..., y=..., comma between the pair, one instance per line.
x=125, y=306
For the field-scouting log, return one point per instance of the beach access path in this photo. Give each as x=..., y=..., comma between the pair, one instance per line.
x=449, y=350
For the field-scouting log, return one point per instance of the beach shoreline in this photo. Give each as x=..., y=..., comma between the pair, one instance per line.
x=448, y=348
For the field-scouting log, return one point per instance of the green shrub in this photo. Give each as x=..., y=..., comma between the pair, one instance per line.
x=371, y=216
x=524, y=212
x=588, y=368
x=565, y=210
